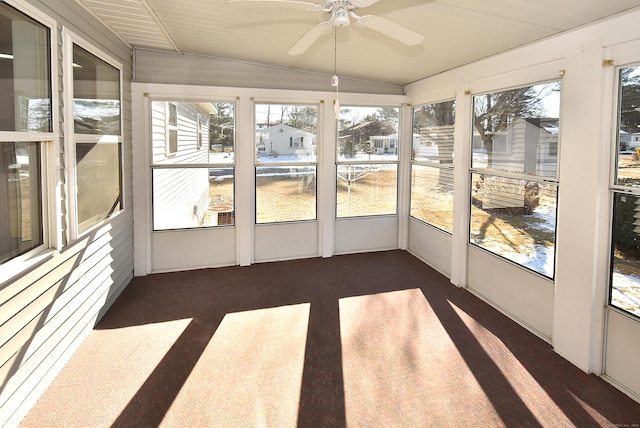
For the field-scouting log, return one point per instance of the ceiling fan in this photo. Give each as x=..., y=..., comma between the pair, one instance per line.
x=342, y=11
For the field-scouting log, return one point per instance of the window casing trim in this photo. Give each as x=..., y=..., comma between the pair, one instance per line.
x=397, y=161
x=522, y=176
x=71, y=139
x=616, y=189
x=315, y=163
x=50, y=168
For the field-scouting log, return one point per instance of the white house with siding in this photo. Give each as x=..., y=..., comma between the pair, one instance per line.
x=180, y=195
x=284, y=140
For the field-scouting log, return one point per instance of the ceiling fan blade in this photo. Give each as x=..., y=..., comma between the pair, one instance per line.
x=364, y=3
x=295, y=4
x=391, y=29
x=309, y=38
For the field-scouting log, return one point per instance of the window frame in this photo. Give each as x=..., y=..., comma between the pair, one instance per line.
x=395, y=162
x=168, y=164
x=616, y=189
x=50, y=165
x=423, y=163
x=69, y=39
x=258, y=145
x=171, y=147
x=489, y=172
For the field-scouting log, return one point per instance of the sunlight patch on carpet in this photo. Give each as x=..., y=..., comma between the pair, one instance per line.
x=249, y=374
x=534, y=397
x=401, y=367
x=114, y=381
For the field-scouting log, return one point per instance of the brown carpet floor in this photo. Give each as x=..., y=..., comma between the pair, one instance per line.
x=363, y=340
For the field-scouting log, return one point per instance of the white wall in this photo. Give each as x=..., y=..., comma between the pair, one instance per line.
x=190, y=69
x=569, y=311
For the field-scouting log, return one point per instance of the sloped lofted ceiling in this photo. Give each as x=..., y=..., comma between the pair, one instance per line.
x=456, y=32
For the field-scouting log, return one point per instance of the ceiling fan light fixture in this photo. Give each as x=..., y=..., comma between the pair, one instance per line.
x=341, y=18
x=342, y=13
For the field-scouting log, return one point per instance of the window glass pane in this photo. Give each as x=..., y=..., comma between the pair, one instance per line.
x=516, y=131
x=432, y=196
x=285, y=193
x=96, y=95
x=628, y=153
x=98, y=169
x=515, y=219
x=186, y=198
x=192, y=132
x=433, y=132
x=20, y=199
x=367, y=189
x=625, y=280
x=25, y=88
x=286, y=133
x=368, y=133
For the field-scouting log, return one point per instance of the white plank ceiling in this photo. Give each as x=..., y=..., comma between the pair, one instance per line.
x=456, y=32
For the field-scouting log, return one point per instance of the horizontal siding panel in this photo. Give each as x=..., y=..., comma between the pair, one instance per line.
x=24, y=323
x=89, y=296
x=10, y=289
x=71, y=335
x=56, y=322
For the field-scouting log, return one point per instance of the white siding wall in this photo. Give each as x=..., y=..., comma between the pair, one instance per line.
x=47, y=312
x=177, y=191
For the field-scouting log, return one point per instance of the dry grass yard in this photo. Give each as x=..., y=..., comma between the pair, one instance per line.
x=285, y=198
x=289, y=198
x=432, y=198
x=374, y=193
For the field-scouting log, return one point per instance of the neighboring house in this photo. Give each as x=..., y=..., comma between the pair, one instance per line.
x=434, y=143
x=384, y=144
x=180, y=137
x=284, y=140
x=629, y=141
x=524, y=144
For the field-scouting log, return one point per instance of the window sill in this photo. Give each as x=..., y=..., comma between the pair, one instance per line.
x=24, y=264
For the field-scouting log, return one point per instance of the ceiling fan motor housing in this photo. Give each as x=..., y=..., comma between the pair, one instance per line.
x=341, y=17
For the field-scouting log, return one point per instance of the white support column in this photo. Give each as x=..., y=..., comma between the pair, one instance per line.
x=245, y=153
x=583, y=171
x=327, y=178
x=405, y=132
x=461, y=206
x=141, y=180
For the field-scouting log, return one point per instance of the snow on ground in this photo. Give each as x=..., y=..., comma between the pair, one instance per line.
x=538, y=257
x=625, y=292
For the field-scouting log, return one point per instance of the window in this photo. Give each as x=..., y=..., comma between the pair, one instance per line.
x=199, y=131
x=624, y=292
x=172, y=129
x=194, y=187
x=97, y=137
x=432, y=164
x=25, y=111
x=367, y=161
x=514, y=187
x=286, y=162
